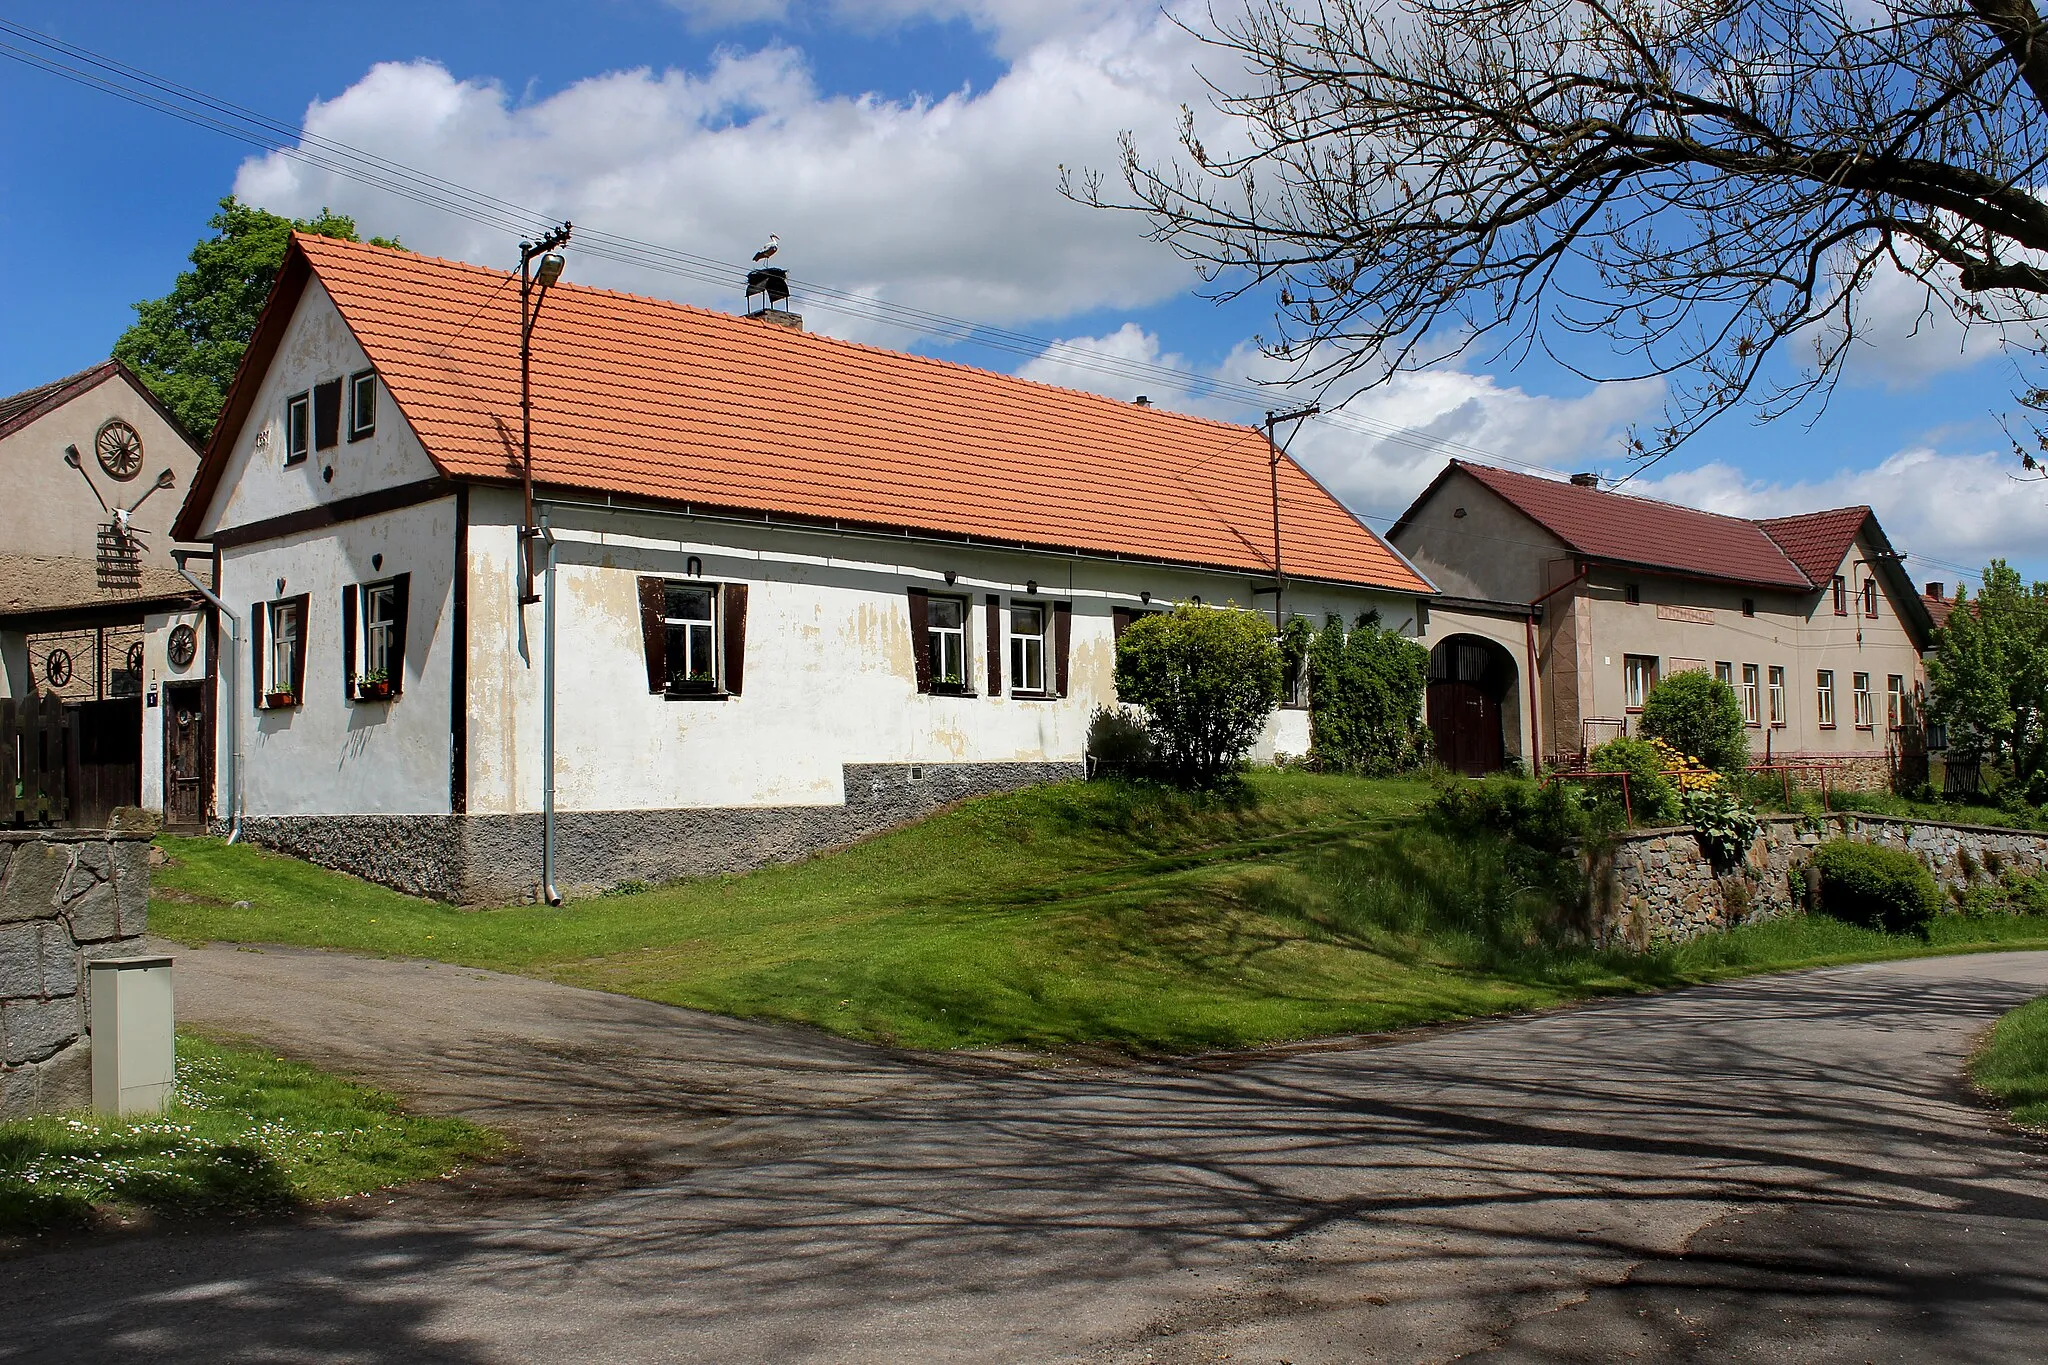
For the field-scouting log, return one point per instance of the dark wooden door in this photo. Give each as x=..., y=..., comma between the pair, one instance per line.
x=184, y=757
x=109, y=759
x=1466, y=723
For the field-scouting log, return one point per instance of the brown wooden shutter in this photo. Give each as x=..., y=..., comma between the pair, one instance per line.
x=921, y=637
x=653, y=634
x=1119, y=621
x=327, y=415
x=1062, y=632
x=257, y=611
x=995, y=645
x=348, y=642
x=735, y=604
x=305, y=605
x=401, y=612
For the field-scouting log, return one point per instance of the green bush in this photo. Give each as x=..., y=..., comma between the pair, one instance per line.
x=1877, y=887
x=1365, y=699
x=1652, y=798
x=1724, y=826
x=1698, y=714
x=1208, y=677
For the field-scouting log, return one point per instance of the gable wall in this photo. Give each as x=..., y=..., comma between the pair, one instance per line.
x=49, y=510
x=1493, y=552
x=257, y=485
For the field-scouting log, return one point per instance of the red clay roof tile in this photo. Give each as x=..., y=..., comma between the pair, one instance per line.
x=1817, y=541
x=1623, y=529
x=647, y=398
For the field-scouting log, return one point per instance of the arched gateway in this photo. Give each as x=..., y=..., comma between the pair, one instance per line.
x=1471, y=692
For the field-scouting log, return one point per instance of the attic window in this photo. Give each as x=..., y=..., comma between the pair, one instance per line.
x=362, y=405
x=1632, y=593
x=1749, y=606
x=298, y=428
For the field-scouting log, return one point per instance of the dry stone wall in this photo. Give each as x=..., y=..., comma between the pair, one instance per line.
x=67, y=897
x=1656, y=887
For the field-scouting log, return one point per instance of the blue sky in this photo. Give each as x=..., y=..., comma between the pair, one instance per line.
x=905, y=150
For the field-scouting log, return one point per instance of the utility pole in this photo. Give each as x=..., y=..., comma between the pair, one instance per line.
x=530, y=300
x=1273, y=457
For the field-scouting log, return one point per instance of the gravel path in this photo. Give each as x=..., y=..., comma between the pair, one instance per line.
x=1783, y=1168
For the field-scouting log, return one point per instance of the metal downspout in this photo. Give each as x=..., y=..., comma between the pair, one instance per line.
x=234, y=714
x=547, y=724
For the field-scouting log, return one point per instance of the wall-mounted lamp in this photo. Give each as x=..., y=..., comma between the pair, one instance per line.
x=951, y=578
x=376, y=561
x=1146, y=597
x=694, y=567
x=280, y=587
x=1031, y=586
x=1195, y=598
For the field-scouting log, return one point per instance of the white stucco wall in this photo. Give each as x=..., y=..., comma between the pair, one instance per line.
x=331, y=754
x=257, y=484
x=157, y=671
x=829, y=670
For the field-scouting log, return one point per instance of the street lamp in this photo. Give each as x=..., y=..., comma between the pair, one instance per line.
x=533, y=287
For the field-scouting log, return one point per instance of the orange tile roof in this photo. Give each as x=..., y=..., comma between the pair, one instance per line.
x=647, y=398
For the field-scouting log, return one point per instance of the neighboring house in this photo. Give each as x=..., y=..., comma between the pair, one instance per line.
x=803, y=589
x=94, y=469
x=1564, y=604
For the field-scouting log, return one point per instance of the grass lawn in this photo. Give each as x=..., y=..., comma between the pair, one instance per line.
x=250, y=1134
x=2013, y=1067
x=1085, y=913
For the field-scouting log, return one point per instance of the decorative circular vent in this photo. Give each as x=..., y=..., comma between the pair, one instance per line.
x=119, y=447
x=57, y=667
x=183, y=646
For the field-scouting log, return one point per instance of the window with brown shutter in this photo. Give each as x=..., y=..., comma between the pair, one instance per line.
x=1120, y=619
x=373, y=621
x=257, y=611
x=327, y=415
x=693, y=636
x=348, y=641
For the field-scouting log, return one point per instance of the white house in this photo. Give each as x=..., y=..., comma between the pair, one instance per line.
x=791, y=589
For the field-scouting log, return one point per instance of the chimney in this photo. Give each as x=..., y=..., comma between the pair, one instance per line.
x=1934, y=591
x=1585, y=480
x=768, y=298
x=1142, y=401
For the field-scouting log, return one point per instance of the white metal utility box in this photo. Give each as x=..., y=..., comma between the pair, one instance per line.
x=134, y=1049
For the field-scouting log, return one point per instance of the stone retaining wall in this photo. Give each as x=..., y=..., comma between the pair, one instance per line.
x=66, y=897
x=1657, y=886
x=494, y=859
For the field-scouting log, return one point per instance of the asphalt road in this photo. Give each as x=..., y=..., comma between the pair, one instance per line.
x=1780, y=1169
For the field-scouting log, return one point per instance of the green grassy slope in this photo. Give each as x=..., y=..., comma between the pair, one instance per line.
x=1075, y=914
x=2013, y=1067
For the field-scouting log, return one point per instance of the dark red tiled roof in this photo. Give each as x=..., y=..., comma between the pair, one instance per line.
x=18, y=409
x=1817, y=541
x=1623, y=529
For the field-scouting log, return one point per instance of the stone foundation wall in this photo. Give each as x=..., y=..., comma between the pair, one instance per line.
x=1657, y=887
x=494, y=859
x=66, y=898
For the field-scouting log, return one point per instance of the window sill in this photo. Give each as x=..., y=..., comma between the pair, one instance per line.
x=1866, y=729
x=384, y=700
x=954, y=692
x=1035, y=696
x=706, y=694
x=1827, y=725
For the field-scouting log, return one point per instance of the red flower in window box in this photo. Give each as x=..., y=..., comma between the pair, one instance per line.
x=283, y=697
x=374, y=686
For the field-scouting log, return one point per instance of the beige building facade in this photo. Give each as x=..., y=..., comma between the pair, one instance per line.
x=1564, y=604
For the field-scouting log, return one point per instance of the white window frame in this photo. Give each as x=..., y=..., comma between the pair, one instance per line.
x=1824, y=697
x=1639, y=677
x=283, y=647
x=1895, y=703
x=1027, y=649
x=1866, y=708
x=681, y=639
x=362, y=405
x=1752, y=712
x=1870, y=599
x=1777, y=682
x=298, y=428
x=377, y=630
x=941, y=640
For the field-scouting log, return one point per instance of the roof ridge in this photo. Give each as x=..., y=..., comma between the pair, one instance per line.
x=1863, y=507
x=790, y=336
x=1611, y=493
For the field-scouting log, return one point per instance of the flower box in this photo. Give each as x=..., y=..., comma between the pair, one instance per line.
x=280, y=699
x=379, y=690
